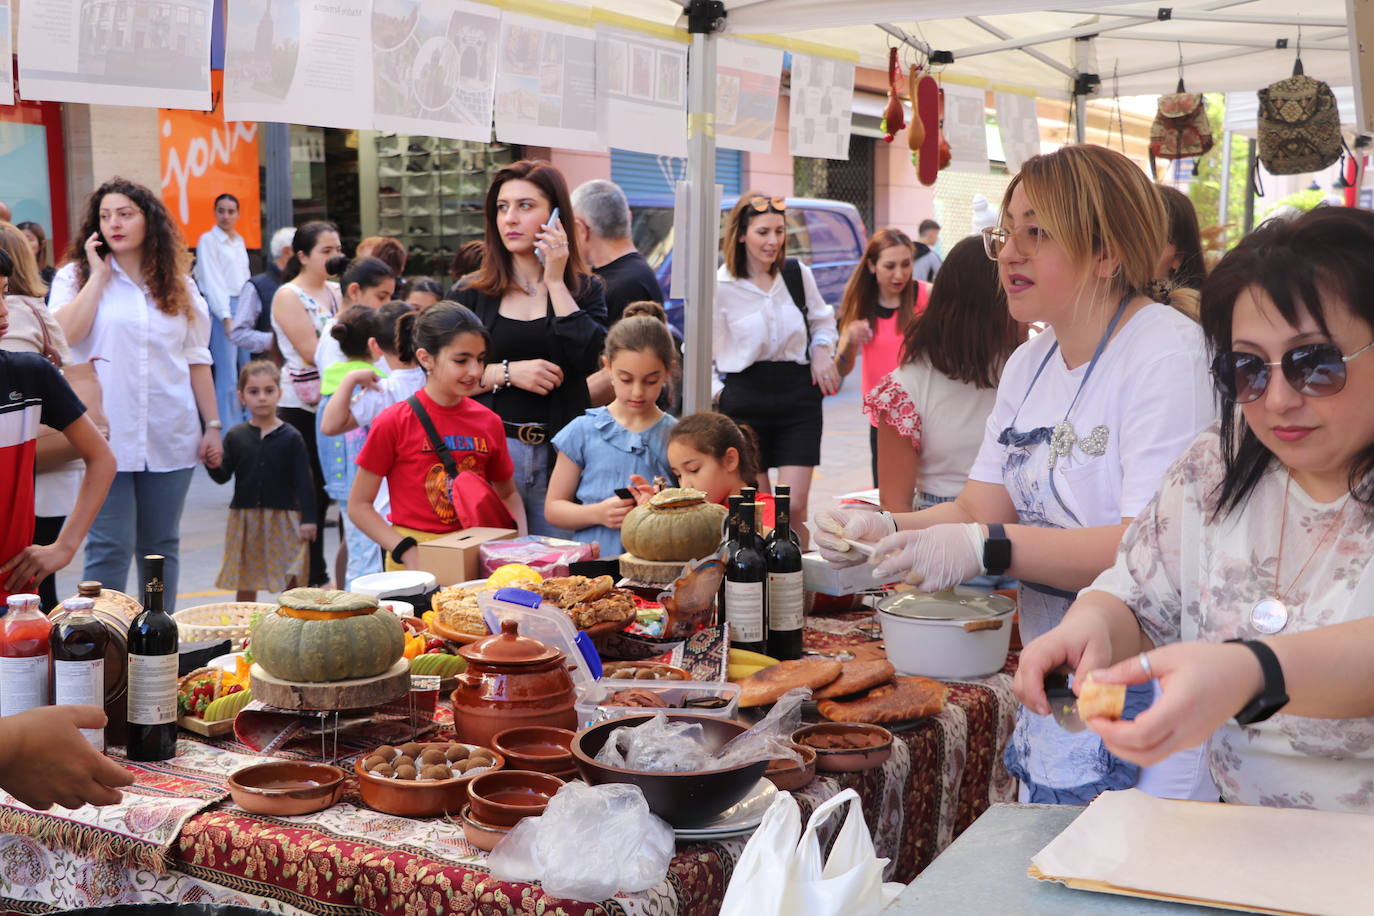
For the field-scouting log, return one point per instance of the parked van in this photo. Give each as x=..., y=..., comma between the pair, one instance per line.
x=826, y=235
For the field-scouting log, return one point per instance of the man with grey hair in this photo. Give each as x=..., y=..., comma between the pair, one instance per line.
x=601, y=219
x=252, y=327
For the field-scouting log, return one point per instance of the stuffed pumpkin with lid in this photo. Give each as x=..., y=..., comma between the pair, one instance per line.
x=318, y=635
x=676, y=524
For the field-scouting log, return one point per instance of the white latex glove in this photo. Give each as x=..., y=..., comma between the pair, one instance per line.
x=933, y=559
x=836, y=526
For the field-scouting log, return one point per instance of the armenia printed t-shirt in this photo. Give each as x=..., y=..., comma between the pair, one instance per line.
x=31, y=392
x=398, y=449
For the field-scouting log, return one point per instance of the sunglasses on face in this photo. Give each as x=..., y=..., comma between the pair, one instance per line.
x=1314, y=370
x=764, y=204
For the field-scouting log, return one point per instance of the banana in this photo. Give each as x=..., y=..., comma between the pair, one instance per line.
x=745, y=657
x=740, y=672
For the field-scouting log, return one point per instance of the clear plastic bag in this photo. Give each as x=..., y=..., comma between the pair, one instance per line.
x=610, y=826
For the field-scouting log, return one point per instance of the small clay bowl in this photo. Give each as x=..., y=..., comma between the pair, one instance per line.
x=286, y=787
x=418, y=797
x=483, y=836
x=540, y=748
x=847, y=760
x=789, y=776
x=506, y=797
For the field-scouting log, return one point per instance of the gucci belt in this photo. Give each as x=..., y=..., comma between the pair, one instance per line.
x=528, y=433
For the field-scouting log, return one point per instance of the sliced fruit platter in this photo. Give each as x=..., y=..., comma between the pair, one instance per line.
x=430, y=653
x=209, y=698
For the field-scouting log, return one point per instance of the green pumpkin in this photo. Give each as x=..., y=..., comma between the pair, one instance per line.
x=676, y=524
x=340, y=637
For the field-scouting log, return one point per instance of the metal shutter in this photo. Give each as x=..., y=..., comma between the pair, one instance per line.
x=640, y=173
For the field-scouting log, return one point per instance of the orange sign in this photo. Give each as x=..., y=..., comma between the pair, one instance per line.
x=203, y=156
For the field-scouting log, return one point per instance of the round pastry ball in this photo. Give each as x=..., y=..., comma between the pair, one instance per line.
x=404, y=760
x=457, y=752
x=405, y=771
x=387, y=751
x=382, y=769
x=374, y=761
x=482, y=758
x=435, y=771
x=412, y=748
x=433, y=755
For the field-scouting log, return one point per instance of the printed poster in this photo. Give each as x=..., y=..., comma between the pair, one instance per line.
x=546, y=84
x=965, y=127
x=71, y=51
x=299, y=62
x=434, y=67
x=6, y=49
x=822, y=107
x=1019, y=126
x=641, y=83
x=748, y=80
x=204, y=156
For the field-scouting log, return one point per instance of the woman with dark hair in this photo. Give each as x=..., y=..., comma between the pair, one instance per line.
x=1182, y=267
x=545, y=312
x=1259, y=537
x=930, y=411
x=124, y=297
x=879, y=303
x=38, y=244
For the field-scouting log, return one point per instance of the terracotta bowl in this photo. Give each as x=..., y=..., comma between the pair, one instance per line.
x=681, y=799
x=480, y=834
x=847, y=760
x=789, y=776
x=505, y=797
x=541, y=748
x=286, y=787
x=417, y=797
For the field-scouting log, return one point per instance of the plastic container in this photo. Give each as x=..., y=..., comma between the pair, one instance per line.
x=545, y=622
x=590, y=710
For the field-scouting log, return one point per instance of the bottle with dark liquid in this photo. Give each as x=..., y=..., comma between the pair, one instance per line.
x=783, y=489
x=785, y=608
x=748, y=495
x=746, y=586
x=153, y=673
x=79, y=642
x=24, y=655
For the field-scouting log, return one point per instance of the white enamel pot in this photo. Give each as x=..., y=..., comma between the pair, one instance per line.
x=959, y=633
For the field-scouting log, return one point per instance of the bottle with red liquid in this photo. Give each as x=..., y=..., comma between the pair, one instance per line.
x=79, y=642
x=25, y=656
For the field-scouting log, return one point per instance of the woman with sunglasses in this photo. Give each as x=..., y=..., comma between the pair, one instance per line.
x=774, y=342
x=1089, y=415
x=1260, y=533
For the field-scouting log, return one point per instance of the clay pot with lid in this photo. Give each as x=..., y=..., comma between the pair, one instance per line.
x=511, y=680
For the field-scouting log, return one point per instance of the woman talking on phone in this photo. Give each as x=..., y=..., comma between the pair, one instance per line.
x=546, y=314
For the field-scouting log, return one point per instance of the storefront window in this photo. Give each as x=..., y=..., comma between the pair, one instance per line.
x=30, y=167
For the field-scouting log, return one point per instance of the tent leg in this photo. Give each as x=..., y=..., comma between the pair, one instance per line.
x=699, y=244
x=1224, y=195
x=1253, y=148
x=1080, y=118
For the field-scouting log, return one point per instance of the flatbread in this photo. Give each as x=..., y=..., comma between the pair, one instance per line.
x=766, y=686
x=903, y=699
x=1105, y=700
x=856, y=676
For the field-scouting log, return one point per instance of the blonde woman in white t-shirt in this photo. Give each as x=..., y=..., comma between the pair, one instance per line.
x=1089, y=415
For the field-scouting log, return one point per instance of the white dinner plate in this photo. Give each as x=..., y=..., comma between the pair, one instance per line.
x=226, y=662
x=396, y=584
x=740, y=818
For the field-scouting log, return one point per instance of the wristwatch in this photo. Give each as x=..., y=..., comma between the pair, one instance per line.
x=401, y=547
x=1274, y=696
x=997, y=550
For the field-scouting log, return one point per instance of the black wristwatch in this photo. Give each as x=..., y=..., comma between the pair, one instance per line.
x=1273, y=696
x=997, y=550
x=401, y=547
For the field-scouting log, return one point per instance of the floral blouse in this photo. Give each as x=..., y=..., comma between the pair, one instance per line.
x=1189, y=578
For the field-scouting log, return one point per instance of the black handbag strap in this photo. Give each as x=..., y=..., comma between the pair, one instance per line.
x=440, y=448
x=792, y=277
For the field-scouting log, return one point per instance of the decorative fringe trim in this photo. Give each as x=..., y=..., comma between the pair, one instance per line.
x=84, y=840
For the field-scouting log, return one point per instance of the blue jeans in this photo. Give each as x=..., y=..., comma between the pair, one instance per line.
x=364, y=556
x=533, y=465
x=141, y=516
x=226, y=372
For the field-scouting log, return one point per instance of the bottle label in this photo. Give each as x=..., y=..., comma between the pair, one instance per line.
x=81, y=683
x=23, y=683
x=152, y=689
x=785, y=607
x=744, y=610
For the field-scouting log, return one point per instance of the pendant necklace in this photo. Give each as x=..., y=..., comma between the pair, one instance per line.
x=529, y=288
x=1270, y=615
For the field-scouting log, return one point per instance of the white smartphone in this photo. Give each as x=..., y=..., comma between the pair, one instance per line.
x=553, y=220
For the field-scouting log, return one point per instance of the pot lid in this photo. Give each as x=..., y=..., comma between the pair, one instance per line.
x=510, y=648
x=951, y=604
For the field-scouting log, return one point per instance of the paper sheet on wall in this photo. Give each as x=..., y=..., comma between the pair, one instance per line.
x=434, y=67
x=748, y=78
x=822, y=107
x=546, y=84
x=6, y=49
x=299, y=62
x=965, y=127
x=641, y=84
x=158, y=59
x=1019, y=126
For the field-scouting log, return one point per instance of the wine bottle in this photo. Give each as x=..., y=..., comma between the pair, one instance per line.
x=153, y=673
x=79, y=642
x=729, y=536
x=785, y=610
x=24, y=655
x=780, y=490
x=746, y=586
x=748, y=495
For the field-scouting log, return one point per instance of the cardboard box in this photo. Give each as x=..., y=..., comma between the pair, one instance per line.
x=455, y=558
x=820, y=576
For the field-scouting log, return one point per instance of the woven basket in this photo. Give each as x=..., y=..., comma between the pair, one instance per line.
x=229, y=620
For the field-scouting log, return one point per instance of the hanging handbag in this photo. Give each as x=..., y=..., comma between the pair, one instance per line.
x=1299, y=125
x=475, y=501
x=1180, y=129
x=51, y=449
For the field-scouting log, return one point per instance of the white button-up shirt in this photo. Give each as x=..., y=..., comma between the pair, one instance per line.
x=221, y=269
x=753, y=326
x=144, y=358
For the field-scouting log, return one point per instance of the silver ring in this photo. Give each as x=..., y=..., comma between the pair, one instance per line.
x=1145, y=663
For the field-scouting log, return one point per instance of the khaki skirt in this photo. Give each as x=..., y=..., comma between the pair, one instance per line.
x=263, y=551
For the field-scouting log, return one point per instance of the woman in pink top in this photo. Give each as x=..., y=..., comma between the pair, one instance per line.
x=879, y=302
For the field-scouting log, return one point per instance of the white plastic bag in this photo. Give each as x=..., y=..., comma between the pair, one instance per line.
x=590, y=843
x=779, y=874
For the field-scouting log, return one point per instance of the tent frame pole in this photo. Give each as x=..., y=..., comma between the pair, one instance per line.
x=698, y=254
x=1224, y=194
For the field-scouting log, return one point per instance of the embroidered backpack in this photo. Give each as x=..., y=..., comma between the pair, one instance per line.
x=1299, y=125
x=1180, y=129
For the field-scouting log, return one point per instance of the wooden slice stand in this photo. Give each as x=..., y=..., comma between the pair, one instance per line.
x=651, y=572
x=361, y=693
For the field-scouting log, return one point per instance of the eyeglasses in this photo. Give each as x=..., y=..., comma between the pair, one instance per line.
x=764, y=204
x=1314, y=370
x=1027, y=240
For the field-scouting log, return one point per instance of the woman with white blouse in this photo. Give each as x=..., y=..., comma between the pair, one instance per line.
x=774, y=342
x=124, y=298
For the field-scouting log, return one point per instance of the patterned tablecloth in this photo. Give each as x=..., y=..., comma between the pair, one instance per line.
x=177, y=837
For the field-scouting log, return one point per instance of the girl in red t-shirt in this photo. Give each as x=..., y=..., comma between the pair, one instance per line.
x=451, y=346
